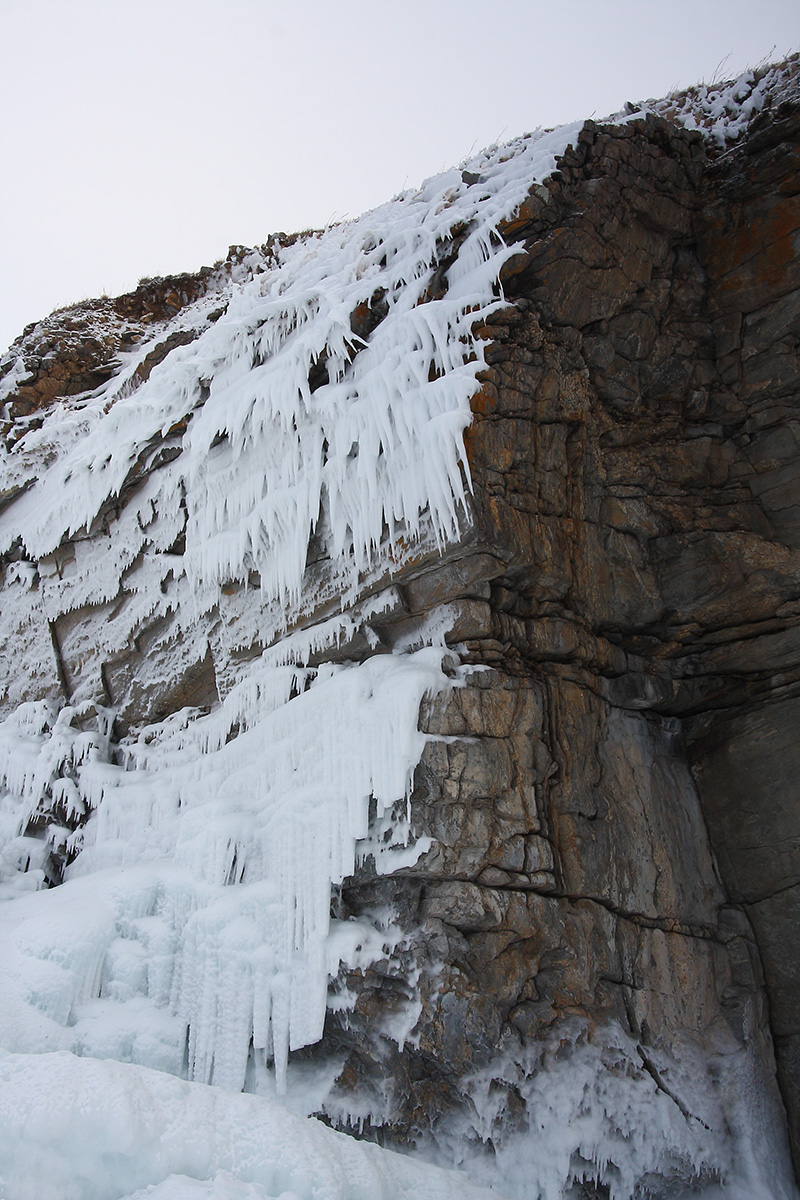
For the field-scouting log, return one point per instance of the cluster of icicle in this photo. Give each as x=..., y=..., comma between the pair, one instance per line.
x=200, y=931
x=218, y=854
x=377, y=445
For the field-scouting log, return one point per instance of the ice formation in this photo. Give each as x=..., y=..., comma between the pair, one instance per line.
x=193, y=930
x=378, y=443
x=256, y=808
x=192, y=935
x=79, y=1129
x=203, y=886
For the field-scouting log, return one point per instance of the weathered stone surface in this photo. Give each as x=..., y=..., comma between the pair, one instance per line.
x=635, y=458
x=747, y=769
x=776, y=921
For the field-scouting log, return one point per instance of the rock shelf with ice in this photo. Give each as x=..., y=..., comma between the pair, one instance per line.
x=235, y=571
x=325, y=407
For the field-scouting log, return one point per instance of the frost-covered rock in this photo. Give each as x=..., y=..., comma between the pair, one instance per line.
x=388, y=606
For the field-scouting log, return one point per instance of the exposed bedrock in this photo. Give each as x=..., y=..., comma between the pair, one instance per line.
x=614, y=802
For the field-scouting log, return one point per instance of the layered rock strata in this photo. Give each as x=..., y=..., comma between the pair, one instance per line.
x=613, y=799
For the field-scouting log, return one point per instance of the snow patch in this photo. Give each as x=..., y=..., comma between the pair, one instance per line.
x=80, y=1129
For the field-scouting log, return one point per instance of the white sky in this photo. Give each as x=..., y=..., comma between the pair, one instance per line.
x=142, y=137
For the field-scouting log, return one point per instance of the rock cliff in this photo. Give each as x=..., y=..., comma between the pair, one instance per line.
x=595, y=928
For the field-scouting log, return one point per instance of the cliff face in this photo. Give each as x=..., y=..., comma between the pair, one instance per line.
x=587, y=964
x=619, y=801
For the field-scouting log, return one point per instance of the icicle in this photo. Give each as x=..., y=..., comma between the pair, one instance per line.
x=300, y=428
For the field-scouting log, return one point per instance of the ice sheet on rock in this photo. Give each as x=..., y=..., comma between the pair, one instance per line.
x=43, y=750
x=596, y=1108
x=95, y=569
x=92, y=972
x=245, y=834
x=376, y=440
x=24, y=626
x=80, y=1129
x=222, y=1187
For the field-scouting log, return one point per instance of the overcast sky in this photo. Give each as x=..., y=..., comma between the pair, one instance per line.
x=142, y=138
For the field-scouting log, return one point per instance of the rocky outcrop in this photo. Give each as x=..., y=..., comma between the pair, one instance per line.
x=74, y=350
x=614, y=803
x=609, y=796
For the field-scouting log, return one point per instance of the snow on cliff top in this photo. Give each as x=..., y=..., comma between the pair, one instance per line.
x=723, y=111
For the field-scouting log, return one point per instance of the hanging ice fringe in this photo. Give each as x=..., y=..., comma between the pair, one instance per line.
x=326, y=405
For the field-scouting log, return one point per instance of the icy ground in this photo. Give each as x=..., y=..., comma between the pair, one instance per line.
x=76, y=1127
x=192, y=940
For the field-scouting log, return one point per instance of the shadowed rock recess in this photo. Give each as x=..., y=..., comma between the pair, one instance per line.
x=607, y=807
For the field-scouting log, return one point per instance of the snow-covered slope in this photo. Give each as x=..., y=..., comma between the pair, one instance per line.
x=78, y=1128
